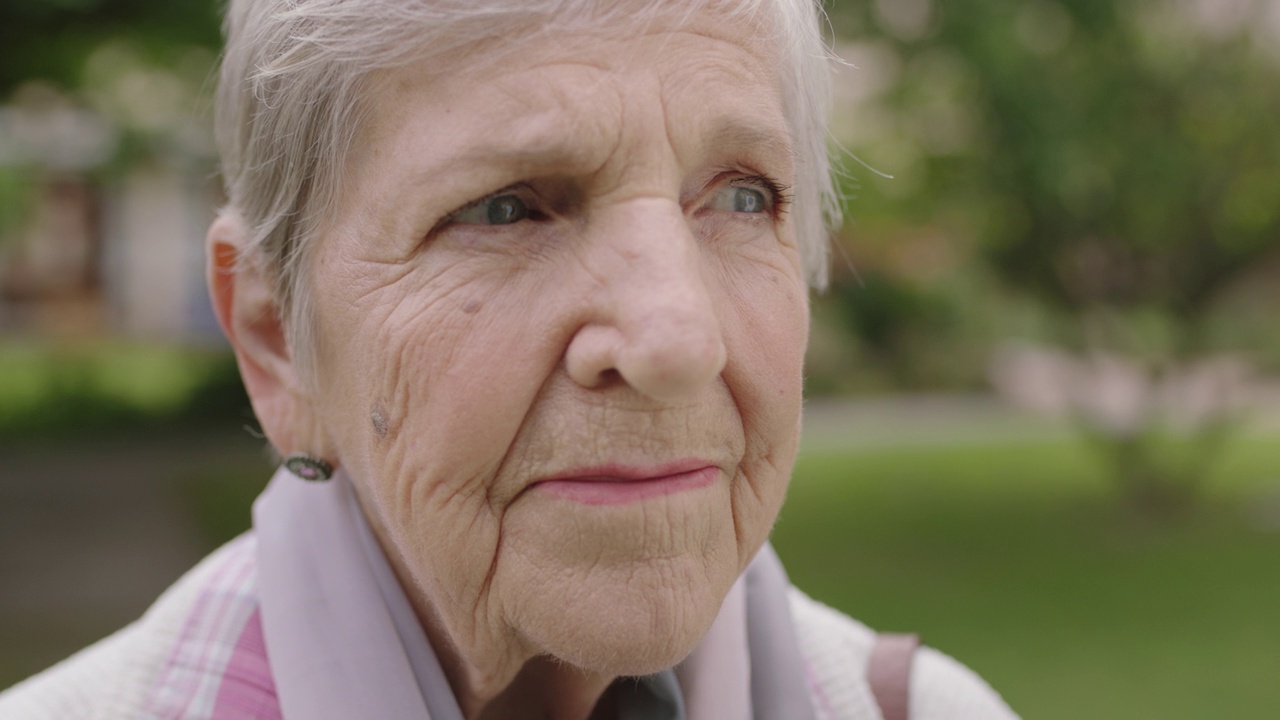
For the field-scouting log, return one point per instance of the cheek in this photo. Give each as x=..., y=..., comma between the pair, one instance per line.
x=766, y=312
x=767, y=330
x=428, y=383
x=429, y=367
x=456, y=390
x=765, y=309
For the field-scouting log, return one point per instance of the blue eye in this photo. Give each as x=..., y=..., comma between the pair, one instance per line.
x=740, y=199
x=505, y=209
x=748, y=200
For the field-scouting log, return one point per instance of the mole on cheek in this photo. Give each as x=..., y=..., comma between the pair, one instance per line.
x=379, y=419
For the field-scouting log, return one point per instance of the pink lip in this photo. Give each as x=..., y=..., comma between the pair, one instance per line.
x=617, y=484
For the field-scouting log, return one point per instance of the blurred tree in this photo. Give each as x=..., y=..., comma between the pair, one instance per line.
x=1114, y=161
x=889, y=315
x=135, y=72
x=51, y=40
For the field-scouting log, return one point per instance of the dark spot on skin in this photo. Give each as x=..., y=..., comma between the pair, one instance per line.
x=379, y=419
x=472, y=307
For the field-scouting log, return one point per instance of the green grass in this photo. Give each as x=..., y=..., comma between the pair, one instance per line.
x=91, y=389
x=149, y=377
x=1014, y=559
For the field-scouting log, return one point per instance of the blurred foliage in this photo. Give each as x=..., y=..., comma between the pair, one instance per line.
x=142, y=69
x=1097, y=156
x=1111, y=166
x=15, y=198
x=53, y=391
x=53, y=40
x=884, y=313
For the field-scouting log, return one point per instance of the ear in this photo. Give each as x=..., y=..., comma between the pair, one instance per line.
x=244, y=302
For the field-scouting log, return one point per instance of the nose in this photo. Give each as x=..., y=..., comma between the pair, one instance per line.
x=653, y=324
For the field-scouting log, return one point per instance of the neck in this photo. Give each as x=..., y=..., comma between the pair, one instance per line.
x=545, y=688
x=501, y=685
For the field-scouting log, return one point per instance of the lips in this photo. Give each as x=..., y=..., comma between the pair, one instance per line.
x=618, y=484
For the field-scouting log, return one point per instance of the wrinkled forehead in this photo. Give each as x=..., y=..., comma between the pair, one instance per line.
x=735, y=94
x=526, y=29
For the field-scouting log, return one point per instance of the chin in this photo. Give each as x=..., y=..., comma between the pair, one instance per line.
x=625, y=621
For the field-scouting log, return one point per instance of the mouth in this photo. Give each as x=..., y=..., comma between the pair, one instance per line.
x=618, y=484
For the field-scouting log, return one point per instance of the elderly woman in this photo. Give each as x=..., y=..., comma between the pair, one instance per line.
x=518, y=290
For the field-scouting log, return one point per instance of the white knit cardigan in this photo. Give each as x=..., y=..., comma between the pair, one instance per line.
x=111, y=680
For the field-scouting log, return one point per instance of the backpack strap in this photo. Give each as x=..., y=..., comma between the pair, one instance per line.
x=889, y=673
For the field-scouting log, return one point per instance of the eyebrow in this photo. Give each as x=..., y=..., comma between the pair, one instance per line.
x=753, y=139
x=528, y=148
x=556, y=147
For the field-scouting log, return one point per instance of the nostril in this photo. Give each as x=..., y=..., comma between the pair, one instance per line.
x=610, y=377
x=592, y=356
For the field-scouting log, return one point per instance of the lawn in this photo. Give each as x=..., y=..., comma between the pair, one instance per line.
x=1013, y=558
x=93, y=389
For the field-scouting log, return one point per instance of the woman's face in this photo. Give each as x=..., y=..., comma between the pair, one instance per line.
x=560, y=322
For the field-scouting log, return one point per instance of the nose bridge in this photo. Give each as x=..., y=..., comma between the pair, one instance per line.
x=661, y=270
x=661, y=303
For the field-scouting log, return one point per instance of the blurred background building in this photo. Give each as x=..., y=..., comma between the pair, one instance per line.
x=88, y=258
x=108, y=187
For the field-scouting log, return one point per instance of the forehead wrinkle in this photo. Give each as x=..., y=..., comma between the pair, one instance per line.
x=754, y=133
x=757, y=129
x=559, y=128
x=638, y=163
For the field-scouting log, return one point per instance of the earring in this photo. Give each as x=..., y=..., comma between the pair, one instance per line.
x=311, y=469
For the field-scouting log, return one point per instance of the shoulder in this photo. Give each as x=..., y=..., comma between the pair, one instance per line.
x=117, y=676
x=836, y=649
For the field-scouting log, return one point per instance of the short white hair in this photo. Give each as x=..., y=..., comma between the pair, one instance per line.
x=298, y=82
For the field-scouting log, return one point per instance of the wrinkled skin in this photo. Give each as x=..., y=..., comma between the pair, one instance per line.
x=649, y=310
